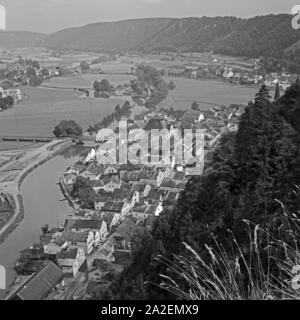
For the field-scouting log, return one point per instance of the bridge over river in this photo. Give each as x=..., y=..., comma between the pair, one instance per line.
x=25, y=138
x=41, y=138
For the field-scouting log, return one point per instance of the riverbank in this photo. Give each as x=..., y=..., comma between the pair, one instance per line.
x=66, y=193
x=16, y=222
x=45, y=153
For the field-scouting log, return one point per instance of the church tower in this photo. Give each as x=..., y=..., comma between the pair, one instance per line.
x=277, y=92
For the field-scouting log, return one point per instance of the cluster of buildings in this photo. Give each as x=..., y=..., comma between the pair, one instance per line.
x=17, y=73
x=244, y=76
x=221, y=119
x=71, y=261
x=283, y=79
x=93, y=246
x=217, y=71
x=15, y=93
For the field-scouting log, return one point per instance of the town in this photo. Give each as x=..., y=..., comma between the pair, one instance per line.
x=113, y=204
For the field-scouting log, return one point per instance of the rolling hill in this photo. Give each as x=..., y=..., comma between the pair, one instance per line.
x=107, y=36
x=270, y=35
x=260, y=36
x=21, y=39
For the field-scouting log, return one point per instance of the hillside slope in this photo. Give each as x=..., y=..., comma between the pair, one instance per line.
x=19, y=39
x=192, y=34
x=270, y=35
x=260, y=36
x=107, y=36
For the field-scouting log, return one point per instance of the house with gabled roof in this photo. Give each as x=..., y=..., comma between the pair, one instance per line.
x=129, y=167
x=97, y=185
x=108, y=183
x=170, y=185
x=132, y=177
x=172, y=197
x=77, y=168
x=154, y=123
x=39, y=285
x=228, y=74
x=106, y=251
x=142, y=212
x=124, y=233
x=155, y=196
x=69, y=179
x=150, y=175
x=142, y=188
x=111, y=170
x=118, y=195
x=55, y=246
x=83, y=240
x=93, y=172
x=139, y=120
x=71, y=260
x=98, y=227
x=119, y=207
x=101, y=198
x=111, y=183
x=112, y=219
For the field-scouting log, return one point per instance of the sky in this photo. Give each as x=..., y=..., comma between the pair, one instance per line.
x=48, y=16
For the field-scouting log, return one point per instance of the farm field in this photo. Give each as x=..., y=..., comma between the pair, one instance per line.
x=44, y=108
x=207, y=94
x=14, y=147
x=87, y=80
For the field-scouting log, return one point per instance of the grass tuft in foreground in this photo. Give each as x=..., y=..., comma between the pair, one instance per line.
x=265, y=268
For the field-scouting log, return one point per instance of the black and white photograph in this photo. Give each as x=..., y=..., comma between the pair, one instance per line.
x=149, y=151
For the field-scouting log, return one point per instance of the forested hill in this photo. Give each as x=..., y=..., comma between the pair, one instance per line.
x=270, y=35
x=21, y=39
x=234, y=216
x=108, y=36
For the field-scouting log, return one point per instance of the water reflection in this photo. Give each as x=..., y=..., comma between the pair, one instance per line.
x=42, y=203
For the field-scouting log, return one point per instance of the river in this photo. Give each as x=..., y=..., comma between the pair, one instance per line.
x=42, y=198
x=43, y=204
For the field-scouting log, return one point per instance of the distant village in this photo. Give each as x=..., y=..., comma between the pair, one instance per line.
x=252, y=75
x=17, y=74
x=24, y=72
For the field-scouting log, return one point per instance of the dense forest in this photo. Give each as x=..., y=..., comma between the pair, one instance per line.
x=249, y=189
x=268, y=36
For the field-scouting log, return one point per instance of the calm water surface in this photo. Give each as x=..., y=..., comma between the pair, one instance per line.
x=43, y=204
x=37, y=115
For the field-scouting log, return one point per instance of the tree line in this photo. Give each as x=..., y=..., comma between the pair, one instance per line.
x=119, y=112
x=150, y=85
x=6, y=102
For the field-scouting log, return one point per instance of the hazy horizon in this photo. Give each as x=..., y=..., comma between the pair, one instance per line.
x=54, y=15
